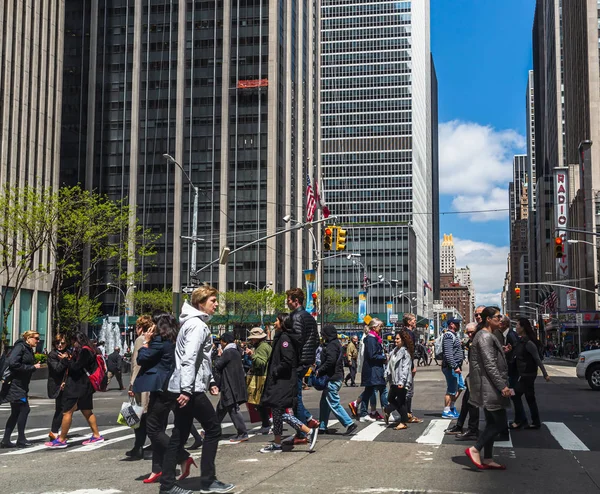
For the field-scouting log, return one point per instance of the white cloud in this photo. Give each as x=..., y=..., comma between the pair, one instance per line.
x=488, y=268
x=476, y=166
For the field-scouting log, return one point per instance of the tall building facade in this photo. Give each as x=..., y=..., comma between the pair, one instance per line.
x=520, y=179
x=447, y=256
x=31, y=56
x=533, y=217
x=378, y=162
x=462, y=276
x=224, y=87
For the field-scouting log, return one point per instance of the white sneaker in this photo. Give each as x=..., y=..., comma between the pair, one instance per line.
x=312, y=438
x=367, y=418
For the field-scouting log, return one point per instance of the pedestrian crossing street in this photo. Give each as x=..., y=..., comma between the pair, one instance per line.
x=552, y=435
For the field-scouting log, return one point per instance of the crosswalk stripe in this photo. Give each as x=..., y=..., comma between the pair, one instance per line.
x=30, y=431
x=370, y=432
x=504, y=444
x=42, y=436
x=565, y=437
x=93, y=447
x=434, y=433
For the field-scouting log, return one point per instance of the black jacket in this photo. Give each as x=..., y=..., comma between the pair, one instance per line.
x=56, y=373
x=157, y=362
x=21, y=363
x=230, y=377
x=281, y=386
x=78, y=383
x=331, y=363
x=304, y=329
x=114, y=362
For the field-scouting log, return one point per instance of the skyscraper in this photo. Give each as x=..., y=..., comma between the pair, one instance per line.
x=447, y=257
x=31, y=57
x=226, y=88
x=378, y=162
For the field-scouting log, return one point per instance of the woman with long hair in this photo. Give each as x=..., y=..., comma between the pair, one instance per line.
x=15, y=390
x=398, y=374
x=78, y=393
x=488, y=386
x=58, y=360
x=527, y=356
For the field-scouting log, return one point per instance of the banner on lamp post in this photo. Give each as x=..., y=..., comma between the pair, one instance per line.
x=362, y=306
x=389, y=309
x=310, y=276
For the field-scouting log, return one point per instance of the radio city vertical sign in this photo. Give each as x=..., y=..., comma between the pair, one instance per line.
x=562, y=215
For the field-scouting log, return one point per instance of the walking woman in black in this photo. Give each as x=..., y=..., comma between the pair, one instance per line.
x=21, y=364
x=488, y=385
x=528, y=360
x=58, y=360
x=156, y=359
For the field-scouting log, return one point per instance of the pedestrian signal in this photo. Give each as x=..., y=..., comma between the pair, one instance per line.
x=340, y=242
x=558, y=247
x=328, y=239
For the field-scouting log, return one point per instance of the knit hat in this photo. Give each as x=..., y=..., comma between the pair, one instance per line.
x=227, y=337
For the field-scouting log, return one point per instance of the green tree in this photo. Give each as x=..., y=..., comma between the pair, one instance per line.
x=77, y=309
x=338, y=303
x=27, y=219
x=146, y=302
x=245, y=305
x=92, y=230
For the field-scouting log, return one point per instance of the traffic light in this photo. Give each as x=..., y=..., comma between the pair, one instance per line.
x=517, y=293
x=328, y=239
x=558, y=247
x=340, y=242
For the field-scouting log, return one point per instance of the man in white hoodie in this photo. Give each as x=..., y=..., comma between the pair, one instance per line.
x=191, y=380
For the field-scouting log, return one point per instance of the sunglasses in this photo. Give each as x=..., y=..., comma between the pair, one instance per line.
x=497, y=316
x=35, y=337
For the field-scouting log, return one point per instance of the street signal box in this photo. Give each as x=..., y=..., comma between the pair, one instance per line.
x=328, y=239
x=517, y=293
x=340, y=242
x=558, y=247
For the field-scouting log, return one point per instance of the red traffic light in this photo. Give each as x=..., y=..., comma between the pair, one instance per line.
x=517, y=291
x=328, y=231
x=558, y=240
x=315, y=295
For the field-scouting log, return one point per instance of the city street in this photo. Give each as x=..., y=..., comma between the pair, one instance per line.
x=563, y=456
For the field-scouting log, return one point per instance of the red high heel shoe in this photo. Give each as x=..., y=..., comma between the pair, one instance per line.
x=185, y=468
x=153, y=478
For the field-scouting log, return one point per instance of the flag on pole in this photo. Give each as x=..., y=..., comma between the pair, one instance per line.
x=311, y=203
x=427, y=285
x=321, y=201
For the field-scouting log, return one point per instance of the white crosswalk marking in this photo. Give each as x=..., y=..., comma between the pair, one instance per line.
x=107, y=442
x=30, y=431
x=370, y=432
x=565, y=437
x=504, y=444
x=434, y=433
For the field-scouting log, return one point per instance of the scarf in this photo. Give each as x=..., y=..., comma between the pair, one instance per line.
x=230, y=345
x=377, y=335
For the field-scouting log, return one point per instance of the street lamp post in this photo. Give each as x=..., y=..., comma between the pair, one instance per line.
x=408, y=297
x=125, y=295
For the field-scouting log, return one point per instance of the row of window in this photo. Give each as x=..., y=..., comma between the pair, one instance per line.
x=366, y=145
x=366, y=21
x=367, y=157
x=365, y=9
x=345, y=95
x=374, y=57
x=371, y=83
x=366, y=33
x=400, y=120
x=365, y=45
x=362, y=70
x=373, y=106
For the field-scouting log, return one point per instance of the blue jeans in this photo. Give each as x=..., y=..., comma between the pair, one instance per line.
x=369, y=392
x=362, y=411
x=330, y=402
x=301, y=413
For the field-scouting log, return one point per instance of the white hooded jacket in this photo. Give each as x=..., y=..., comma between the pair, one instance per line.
x=193, y=367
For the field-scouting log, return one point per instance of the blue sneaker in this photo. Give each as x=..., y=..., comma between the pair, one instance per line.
x=448, y=415
x=455, y=412
x=93, y=440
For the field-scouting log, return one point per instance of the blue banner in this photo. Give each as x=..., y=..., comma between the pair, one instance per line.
x=310, y=276
x=389, y=309
x=362, y=306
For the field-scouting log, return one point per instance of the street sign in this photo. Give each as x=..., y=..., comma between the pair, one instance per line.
x=438, y=305
x=579, y=318
x=546, y=316
x=393, y=318
x=114, y=319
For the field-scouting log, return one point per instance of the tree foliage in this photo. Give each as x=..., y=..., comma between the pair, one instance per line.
x=75, y=310
x=27, y=219
x=336, y=302
x=146, y=302
x=248, y=303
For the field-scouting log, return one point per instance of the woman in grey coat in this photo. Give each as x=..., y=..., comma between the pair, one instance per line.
x=398, y=374
x=488, y=385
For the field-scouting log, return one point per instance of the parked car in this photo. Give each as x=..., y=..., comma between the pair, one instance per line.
x=588, y=368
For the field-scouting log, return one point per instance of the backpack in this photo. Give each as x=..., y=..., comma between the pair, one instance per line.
x=98, y=378
x=438, y=347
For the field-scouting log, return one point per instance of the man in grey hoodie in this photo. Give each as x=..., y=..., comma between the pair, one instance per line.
x=191, y=380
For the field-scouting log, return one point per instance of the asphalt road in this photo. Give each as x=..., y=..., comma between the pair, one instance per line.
x=563, y=456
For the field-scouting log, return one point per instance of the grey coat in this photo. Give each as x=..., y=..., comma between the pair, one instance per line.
x=488, y=374
x=398, y=370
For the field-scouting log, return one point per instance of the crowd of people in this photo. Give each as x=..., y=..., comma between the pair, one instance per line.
x=176, y=365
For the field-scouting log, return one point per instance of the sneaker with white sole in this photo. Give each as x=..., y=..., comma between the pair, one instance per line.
x=448, y=415
x=217, y=487
x=367, y=418
x=93, y=440
x=272, y=448
x=312, y=438
x=240, y=438
x=265, y=430
x=56, y=444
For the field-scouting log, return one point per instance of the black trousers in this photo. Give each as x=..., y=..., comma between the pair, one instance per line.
x=472, y=411
x=156, y=420
x=58, y=413
x=495, y=423
x=19, y=411
x=141, y=432
x=526, y=386
x=351, y=373
x=118, y=374
x=397, y=401
x=264, y=413
x=200, y=408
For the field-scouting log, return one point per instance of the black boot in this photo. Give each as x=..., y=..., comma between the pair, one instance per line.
x=470, y=435
x=135, y=453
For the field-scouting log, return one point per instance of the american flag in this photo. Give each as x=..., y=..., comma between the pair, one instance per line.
x=321, y=201
x=311, y=202
x=427, y=285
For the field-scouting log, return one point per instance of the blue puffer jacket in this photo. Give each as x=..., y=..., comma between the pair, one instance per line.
x=374, y=363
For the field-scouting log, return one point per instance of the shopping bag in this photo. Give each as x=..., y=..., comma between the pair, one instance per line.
x=254, y=415
x=255, y=385
x=130, y=414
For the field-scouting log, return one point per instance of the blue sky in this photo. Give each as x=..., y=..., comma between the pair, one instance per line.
x=482, y=52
